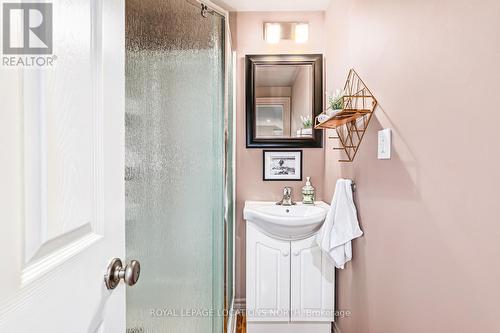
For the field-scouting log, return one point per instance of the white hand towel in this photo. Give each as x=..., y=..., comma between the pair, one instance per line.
x=341, y=225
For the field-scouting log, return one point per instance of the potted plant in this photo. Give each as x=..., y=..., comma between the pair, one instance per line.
x=335, y=103
x=307, y=124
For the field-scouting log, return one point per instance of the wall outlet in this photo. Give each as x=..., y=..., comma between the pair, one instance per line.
x=384, y=144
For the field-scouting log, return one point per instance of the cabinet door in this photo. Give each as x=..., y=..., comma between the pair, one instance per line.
x=312, y=281
x=268, y=277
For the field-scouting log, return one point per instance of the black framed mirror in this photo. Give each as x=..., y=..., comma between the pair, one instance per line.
x=284, y=93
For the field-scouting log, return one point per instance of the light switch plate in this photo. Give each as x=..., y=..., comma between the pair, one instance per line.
x=384, y=144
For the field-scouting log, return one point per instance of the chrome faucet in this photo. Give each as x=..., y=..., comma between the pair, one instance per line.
x=287, y=197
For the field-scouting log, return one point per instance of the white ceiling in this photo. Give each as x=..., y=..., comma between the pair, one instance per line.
x=273, y=5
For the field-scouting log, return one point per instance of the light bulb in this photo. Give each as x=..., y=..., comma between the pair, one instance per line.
x=301, y=34
x=272, y=33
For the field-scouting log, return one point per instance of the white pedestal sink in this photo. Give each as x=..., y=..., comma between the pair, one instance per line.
x=289, y=281
x=286, y=222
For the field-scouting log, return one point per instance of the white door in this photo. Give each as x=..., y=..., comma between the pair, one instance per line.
x=267, y=277
x=312, y=283
x=62, y=187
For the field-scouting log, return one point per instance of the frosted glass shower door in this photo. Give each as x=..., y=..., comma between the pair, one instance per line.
x=175, y=166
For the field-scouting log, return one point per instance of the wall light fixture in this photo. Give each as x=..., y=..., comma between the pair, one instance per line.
x=274, y=32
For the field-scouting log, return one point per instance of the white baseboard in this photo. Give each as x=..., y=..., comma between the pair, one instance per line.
x=231, y=322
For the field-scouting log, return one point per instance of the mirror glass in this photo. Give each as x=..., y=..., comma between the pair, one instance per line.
x=284, y=101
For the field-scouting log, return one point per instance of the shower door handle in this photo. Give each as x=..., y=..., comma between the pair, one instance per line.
x=130, y=274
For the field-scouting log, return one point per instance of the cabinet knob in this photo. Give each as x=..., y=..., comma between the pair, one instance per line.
x=296, y=253
x=285, y=253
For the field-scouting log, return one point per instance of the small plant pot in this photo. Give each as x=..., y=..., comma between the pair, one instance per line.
x=307, y=131
x=304, y=132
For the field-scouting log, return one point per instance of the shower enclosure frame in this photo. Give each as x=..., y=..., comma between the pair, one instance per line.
x=230, y=145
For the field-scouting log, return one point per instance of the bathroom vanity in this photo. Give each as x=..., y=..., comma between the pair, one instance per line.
x=289, y=282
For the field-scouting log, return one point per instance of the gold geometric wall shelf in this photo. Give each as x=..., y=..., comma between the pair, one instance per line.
x=351, y=123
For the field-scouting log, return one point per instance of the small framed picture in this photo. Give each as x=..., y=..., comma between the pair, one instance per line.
x=282, y=165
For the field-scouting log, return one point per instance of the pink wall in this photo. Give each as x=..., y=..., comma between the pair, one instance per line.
x=430, y=257
x=247, y=27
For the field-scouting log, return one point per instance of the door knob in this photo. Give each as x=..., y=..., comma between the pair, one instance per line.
x=130, y=274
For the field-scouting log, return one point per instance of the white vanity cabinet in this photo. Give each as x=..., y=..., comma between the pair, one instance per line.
x=311, y=281
x=268, y=277
x=287, y=281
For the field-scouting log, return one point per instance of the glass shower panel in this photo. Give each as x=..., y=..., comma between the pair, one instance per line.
x=175, y=166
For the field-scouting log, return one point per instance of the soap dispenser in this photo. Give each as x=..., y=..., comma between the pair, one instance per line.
x=308, y=193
